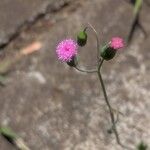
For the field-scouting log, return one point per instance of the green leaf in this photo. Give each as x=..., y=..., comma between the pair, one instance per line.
x=8, y=133
x=142, y=146
x=137, y=7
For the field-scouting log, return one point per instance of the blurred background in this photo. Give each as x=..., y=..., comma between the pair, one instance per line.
x=54, y=107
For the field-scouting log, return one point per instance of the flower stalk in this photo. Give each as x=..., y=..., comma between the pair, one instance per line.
x=67, y=52
x=114, y=128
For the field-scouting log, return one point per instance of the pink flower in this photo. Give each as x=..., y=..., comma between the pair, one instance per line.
x=66, y=50
x=116, y=43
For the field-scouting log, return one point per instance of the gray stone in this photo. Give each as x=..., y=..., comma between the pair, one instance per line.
x=67, y=111
x=144, y=18
x=14, y=14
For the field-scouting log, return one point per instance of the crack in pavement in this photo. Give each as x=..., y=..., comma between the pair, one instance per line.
x=53, y=8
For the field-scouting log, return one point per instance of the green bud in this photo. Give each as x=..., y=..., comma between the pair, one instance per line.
x=73, y=62
x=82, y=38
x=107, y=52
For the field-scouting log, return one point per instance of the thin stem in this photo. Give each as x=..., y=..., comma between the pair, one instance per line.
x=96, y=36
x=114, y=127
x=85, y=71
x=98, y=59
x=108, y=104
x=100, y=65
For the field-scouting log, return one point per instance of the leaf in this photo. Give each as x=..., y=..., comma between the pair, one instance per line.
x=13, y=138
x=21, y=145
x=137, y=6
x=8, y=133
x=142, y=146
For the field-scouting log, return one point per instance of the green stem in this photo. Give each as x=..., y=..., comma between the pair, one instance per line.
x=114, y=127
x=113, y=121
x=96, y=36
x=100, y=62
x=108, y=104
x=85, y=71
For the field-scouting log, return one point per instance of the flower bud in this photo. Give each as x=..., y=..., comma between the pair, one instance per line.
x=72, y=62
x=82, y=38
x=107, y=52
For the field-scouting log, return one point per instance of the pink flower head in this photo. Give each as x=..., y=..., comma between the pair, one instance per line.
x=116, y=43
x=66, y=50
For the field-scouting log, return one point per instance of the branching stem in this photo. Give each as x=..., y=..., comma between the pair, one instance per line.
x=86, y=71
x=113, y=121
x=98, y=71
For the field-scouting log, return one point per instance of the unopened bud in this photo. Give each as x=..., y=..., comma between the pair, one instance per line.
x=72, y=62
x=82, y=38
x=107, y=52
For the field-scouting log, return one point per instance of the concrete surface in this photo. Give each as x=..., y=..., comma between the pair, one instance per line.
x=14, y=14
x=54, y=107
